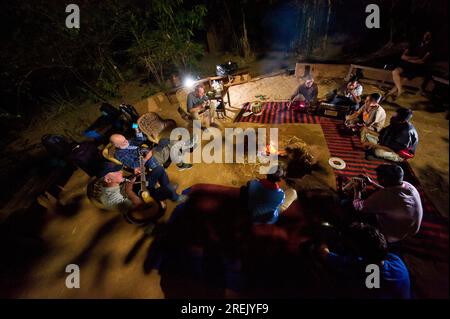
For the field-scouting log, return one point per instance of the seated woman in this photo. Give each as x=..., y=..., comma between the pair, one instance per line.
x=369, y=119
x=412, y=63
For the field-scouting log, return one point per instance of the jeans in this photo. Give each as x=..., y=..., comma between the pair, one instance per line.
x=165, y=190
x=341, y=100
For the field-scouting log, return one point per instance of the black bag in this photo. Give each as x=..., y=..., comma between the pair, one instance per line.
x=129, y=113
x=109, y=110
x=228, y=68
x=57, y=145
x=88, y=157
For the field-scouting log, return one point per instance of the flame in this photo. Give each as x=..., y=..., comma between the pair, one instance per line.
x=270, y=149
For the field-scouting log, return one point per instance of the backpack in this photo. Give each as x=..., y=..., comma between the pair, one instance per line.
x=109, y=110
x=57, y=145
x=129, y=113
x=87, y=156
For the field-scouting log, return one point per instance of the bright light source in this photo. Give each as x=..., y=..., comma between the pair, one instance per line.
x=189, y=82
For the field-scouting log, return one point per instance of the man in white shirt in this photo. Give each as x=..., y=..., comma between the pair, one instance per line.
x=396, y=204
x=369, y=119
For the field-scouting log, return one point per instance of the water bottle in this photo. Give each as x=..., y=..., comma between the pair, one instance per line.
x=139, y=134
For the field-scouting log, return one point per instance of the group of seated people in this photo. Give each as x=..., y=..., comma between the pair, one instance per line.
x=389, y=215
x=374, y=225
x=396, y=142
x=116, y=192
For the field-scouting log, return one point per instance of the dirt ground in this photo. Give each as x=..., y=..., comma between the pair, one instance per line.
x=116, y=257
x=431, y=163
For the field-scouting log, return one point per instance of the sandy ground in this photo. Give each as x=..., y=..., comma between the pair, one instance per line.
x=114, y=256
x=431, y=163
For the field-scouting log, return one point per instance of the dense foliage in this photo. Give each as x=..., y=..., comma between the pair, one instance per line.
x=42, y=54
x=123, y=40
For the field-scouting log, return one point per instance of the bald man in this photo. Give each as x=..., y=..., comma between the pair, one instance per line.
x=128, y=153
x=160, y=154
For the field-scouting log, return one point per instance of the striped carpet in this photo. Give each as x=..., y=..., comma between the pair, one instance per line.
x=432, y=240
x=275, y=113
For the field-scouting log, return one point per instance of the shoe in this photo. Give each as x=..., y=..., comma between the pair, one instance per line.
x=182, y=199
x=184, y=166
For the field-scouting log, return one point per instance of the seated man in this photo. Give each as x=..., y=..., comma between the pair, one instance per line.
x=351, y=95
x=113, y=192
x=370, y=118
x=398, y=140
x=128, y=154
x=198, y=102
x=412, y=63
x=264, y=197
x=306, y=92
x=396, y=205
x=364, y=245
x=160, y=152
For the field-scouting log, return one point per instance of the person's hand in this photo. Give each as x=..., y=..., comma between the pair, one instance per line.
x=359, y=185
x=366, y=178
x=137, y=171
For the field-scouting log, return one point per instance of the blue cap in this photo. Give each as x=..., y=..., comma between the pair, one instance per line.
x=109, y=167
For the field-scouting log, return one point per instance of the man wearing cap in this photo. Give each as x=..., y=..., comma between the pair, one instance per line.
x=116, y=193
x=369, y=118
x=128, y=154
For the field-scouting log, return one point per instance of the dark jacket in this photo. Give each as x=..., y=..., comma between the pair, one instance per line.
x=310, y=94
x=399, y=136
